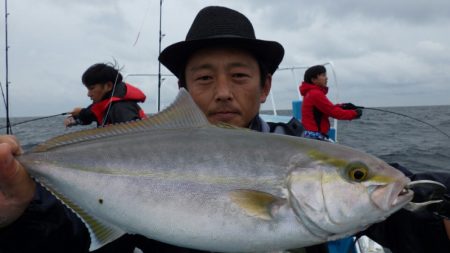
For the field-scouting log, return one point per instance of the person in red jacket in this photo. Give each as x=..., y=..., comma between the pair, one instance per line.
x=113, y=100
x=317, y=108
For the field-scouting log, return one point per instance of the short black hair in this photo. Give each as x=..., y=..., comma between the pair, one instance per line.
x=314, y=72
x=101, y=73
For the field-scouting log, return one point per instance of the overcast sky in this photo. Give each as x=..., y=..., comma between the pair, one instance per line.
x=384, y=53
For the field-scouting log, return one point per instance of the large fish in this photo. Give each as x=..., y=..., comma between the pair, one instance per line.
x=178, y=179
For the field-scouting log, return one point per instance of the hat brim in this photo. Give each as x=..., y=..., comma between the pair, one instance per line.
x=175, y=56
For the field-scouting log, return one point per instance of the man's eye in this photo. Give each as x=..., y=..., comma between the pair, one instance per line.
x=240, y=75
x=203, y=78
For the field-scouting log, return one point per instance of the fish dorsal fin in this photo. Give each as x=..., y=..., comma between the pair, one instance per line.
x=255, y=203
x=100, y=232
x=182, y=113
x=232, y=127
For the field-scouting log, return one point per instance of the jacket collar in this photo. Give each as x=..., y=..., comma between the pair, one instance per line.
x=306, y=87
x=259, y=125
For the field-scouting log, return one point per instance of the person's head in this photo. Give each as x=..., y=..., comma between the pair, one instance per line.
x=316, y=75
x=227, y=71
x=99, y=79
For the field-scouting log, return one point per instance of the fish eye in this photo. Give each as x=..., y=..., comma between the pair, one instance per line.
x=357, y=171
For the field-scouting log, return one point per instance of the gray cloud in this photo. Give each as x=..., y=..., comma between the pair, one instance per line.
x=385, y=53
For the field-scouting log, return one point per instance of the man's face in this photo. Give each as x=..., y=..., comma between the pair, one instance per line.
x=225, y=84
x=321, y=80
x=97, y=91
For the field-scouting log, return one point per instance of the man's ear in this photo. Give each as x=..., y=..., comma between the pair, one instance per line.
x=266, y=88
x=109, y=85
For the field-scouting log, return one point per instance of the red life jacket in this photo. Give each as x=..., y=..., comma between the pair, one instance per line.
x=316, y=109
x=132, y=94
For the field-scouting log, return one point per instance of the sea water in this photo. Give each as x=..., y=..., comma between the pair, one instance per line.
x=398, y=139
x=388, y=136
x=395, y=138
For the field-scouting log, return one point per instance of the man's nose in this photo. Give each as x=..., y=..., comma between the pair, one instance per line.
x=223, y=89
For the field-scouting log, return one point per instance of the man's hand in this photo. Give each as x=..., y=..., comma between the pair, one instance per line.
x=70, y=121
x=16, y=186
x=349, y=106
x=76, y=111
x=359, y=113
x=447, y=227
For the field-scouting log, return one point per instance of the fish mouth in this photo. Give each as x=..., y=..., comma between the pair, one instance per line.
x=393, y=196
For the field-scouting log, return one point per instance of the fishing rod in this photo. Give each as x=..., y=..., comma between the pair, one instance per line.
x=8, y=122
x=404, y=115
x=35, y=119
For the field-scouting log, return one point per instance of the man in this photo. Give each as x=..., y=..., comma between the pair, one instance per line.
x=228, y=83
x=225, y=69
x=113, y=101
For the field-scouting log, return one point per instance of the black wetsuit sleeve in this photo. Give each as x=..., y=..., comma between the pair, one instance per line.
x=412, y=232
x=405, y=231
x=46, y=226
x=123, y=111
x=86, y=116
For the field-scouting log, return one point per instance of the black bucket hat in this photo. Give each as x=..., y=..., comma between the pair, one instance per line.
x=216, y=25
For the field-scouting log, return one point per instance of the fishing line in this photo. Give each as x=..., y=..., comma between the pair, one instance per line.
x=8, y=123
x=3, y=94
x=142, y=25
x=35, y=119
x=407, y=116
x=112, y=92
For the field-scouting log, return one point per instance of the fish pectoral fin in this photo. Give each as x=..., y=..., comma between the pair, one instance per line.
x=256, y=203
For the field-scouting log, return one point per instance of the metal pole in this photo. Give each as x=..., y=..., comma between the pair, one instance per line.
x=8, y=123
x=159, y=63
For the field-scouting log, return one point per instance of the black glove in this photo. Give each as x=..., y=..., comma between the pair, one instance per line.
x=349, y=106
x=358, y=113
